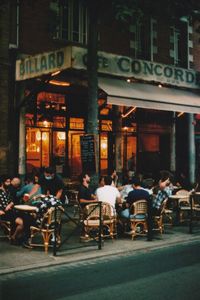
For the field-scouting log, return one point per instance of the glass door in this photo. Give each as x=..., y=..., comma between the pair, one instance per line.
x=37, y=148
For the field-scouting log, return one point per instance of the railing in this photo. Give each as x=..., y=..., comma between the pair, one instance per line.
x=79, y=223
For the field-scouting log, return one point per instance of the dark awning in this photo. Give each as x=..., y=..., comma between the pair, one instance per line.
x=120, y=92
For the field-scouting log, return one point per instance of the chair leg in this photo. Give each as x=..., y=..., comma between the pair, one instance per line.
x=46, y=236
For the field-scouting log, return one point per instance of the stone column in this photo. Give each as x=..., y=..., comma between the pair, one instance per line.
x=118, y=138
x=173, y=144
x=22, y=144
x=191, y=150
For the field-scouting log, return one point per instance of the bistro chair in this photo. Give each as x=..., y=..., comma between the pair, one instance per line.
x=46, y=228
x=159, y=220
x=5, y=227
x=184, y=205
x=91, y=220
x=138, y=218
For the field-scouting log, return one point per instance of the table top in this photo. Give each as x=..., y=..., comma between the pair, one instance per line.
x=25, y=207
x=178, y=196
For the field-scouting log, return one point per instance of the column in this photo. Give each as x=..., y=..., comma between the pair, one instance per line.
x=22, y=144
x=173, y=144
x=191, y=150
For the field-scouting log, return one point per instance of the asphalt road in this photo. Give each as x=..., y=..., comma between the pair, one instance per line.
x=168, y=273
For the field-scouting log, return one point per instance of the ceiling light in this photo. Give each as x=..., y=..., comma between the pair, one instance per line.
x=59, y=83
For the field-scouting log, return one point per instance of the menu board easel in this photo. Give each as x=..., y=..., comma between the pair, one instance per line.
x=88, y=153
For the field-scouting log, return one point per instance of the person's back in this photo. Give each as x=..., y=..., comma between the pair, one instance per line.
x=108, y=193
x=138, y=193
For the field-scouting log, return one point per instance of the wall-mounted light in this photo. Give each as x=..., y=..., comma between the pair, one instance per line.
x=180, y=114
x=55, y=73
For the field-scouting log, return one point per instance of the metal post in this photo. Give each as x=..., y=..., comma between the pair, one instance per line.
x=55, y=231
x=149, y=219
x=100, y=226
x=191, y=213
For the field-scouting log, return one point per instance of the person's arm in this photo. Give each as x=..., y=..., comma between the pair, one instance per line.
x=59, y=194
x=86, y=201
x=34, y=189
x=9, y=206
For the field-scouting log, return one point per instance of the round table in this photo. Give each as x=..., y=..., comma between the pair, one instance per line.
x=26, y=208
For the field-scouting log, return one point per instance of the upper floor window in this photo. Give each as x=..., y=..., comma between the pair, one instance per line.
x=179, y=44
x=143, y=39
x=14, y=24
x=71, y=20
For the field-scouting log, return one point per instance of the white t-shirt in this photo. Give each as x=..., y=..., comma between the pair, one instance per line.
x=108, y=193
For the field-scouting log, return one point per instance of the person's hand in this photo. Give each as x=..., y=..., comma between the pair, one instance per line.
x=26, y=197
x=9, y=207
x=2, y=213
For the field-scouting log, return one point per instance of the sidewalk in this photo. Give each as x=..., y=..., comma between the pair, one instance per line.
x=16, y=258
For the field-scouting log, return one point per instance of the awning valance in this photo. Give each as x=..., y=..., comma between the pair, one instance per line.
x=120, y=92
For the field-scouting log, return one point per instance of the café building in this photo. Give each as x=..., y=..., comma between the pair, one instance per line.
x=146, y=110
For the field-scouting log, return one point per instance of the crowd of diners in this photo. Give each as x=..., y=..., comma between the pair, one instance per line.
x=49, y=184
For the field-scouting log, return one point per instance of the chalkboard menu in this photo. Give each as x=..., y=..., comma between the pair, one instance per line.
x=88, y=153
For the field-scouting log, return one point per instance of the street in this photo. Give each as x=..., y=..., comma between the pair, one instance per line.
x=166, y=273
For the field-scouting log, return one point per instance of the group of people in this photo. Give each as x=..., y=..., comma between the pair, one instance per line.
x=12, y=193
x=51, y=185
x=122, y=197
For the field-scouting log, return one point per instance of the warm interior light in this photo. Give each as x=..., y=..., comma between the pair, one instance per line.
x=103, y=145
x=129, y=112
x=45, y=123
x=160, y=86
x=61, y=136
x=55, y=73
x=38, y=135
x=60, y=83
x=44, y=136
x=128, y=80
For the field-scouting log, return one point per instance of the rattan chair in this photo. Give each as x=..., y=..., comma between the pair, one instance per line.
x=184, y=205
x=91, y=220
x=138, y=218
x=47, y=228
x=159, y=219
x=5, y=227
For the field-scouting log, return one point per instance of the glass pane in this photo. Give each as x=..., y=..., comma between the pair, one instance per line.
x=59, y=150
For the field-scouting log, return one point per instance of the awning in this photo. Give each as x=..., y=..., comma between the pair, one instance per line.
x=120, y=92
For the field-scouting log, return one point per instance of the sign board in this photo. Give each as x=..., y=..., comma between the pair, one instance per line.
x=88, y=160
x=44, y=63
x=129, y=67
x=108, y=63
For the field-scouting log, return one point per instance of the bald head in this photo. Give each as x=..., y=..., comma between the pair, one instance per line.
x=16, y=182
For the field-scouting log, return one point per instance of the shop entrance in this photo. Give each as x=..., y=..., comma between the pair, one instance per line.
x=44, y=147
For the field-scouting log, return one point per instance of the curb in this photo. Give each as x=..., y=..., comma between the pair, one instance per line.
x=74, y=258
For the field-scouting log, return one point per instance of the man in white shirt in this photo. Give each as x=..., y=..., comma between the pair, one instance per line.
x=109, y=193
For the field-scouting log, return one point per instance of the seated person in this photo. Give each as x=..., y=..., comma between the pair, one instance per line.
x=85, y=195
x=8, y=214
x=138, y=193
x=49, y=183
x=165, y=190
x=109, y=193
x=25, y=190
x=42, y=203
